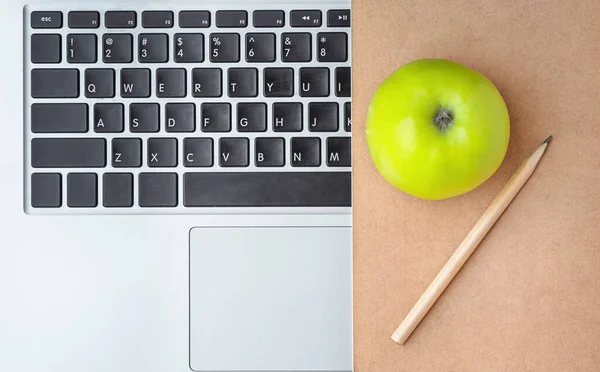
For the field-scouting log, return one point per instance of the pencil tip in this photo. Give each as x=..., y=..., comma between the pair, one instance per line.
x=547, y=140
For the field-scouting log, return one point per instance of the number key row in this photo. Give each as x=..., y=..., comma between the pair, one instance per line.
x=189, y=48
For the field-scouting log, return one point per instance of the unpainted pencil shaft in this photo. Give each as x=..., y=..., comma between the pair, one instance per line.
x=469, y=244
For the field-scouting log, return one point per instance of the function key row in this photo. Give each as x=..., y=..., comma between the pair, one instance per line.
x=197, y=152
x=189, y=48
x=182, y=117
x=189, y=19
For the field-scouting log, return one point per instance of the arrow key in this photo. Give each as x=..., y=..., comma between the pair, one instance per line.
x=305, y=18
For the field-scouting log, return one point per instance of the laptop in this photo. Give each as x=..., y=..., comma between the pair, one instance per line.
x=176, y=186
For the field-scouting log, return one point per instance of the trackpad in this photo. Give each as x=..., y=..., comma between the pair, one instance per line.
x=265, y=299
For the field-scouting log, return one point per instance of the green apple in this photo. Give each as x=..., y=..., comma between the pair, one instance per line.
x=437, y=129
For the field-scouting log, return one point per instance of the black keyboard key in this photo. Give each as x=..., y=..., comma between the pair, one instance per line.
x=252, y=117
x=198, y=152
x=135, y=83
x=109, y=117
x=157, y=190
x=305, y=18
x=84, y=19
x=189, y=48
x=216, y=117
x=46, y=190
x=82, y=48
x=59, y=118
x=194, y=19
x=46, y=48
x=180, y=117
x=120, y=19
x=153, y=48
x=242, y=82
x=323, y=117
x=314, y=82
x=207, y=82
x=332, y=47
x=144, y=117
x=278, y=82
x=157, y=19
x=338, y=18
x=224, y=47
x=162, y=152
x=306, y=152
x=99, y=83
x=234, y=152
x=46, y=19
x=170, y=82
x=126, y=153
x=54, y=83
x=260, y=47
x=270, y=152
x=267, y=189
x=232, y=18
x=82, y=190
x=339, y=151
x=68, y=152
x=343, y=82
x=348, y=116
x=268, y=18
x=296, y=47
x=117, y=190
x=117, y=48
x=287, y=117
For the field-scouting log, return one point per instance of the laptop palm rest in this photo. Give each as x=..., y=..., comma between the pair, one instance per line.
x=271, y=299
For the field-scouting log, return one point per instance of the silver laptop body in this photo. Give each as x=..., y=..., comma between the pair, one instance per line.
x=175, y=189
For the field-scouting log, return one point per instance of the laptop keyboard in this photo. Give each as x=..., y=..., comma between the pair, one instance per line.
x=171, y=110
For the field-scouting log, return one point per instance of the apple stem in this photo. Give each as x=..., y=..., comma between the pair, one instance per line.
x=443, y=118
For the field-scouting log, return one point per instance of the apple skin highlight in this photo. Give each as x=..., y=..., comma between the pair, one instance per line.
x=437, y=129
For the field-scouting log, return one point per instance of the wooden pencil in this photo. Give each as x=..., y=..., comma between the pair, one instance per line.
x=468, y=245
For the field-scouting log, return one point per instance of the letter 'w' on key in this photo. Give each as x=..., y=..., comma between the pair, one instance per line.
x=135, y=83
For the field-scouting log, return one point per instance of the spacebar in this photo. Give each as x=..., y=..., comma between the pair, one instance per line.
x=267, y=189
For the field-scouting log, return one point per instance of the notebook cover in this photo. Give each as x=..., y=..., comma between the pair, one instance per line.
x=529, y=297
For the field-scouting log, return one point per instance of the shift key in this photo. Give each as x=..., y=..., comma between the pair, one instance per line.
x=68, y=152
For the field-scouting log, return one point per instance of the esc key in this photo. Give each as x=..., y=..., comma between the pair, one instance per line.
x=46, y=19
